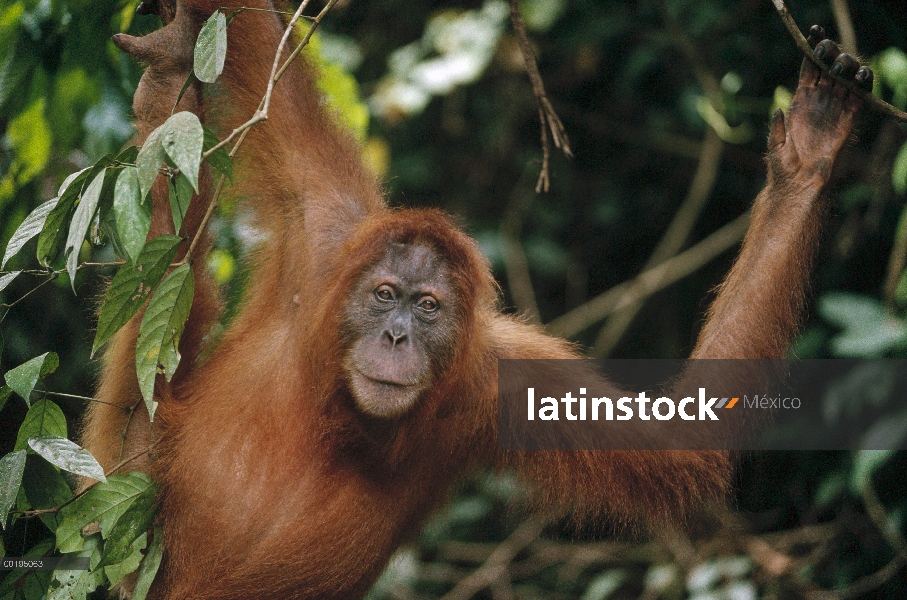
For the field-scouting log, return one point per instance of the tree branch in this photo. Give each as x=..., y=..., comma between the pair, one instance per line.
x=841, y=12
x=804, y=48
x=261, y=114
x=547, y=116
x=499, y=560
x=649, y=282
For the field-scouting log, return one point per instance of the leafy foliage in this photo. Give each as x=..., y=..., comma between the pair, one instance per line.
x=159, y=334
x=451, y=121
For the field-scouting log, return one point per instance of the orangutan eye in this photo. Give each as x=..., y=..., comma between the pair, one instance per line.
x=428, y=304
x=385, y=293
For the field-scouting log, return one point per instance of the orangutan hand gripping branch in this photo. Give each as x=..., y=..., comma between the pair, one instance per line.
x=359, y=379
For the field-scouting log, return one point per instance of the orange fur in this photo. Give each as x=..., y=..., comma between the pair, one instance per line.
x=272, y=483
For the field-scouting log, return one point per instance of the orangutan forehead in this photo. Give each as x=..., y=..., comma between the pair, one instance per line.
x=413, y=264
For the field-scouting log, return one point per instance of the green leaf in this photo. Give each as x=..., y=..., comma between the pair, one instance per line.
x=131, y=214
x=44, y=488
x=116, y=573
x=150, y=564
x=7, y=278
x=76, y=585
x=186, y=84
x=28, y=141
x=131, y=286
x=869, y=329
x=127, y=157
x=53, y=234
x=43, y=418
x=149, y=161
x=161, y=328
x=76, y=178
x=11, y=468
x=180, y=197
x=104, y=503
x=830, y=490
x=182, y=137
x=67, y=455
x=899, y=171
x=220, y=159
x=28, y=229
x=108, y=227
x=133, y=523
x=211, y=48
x=81, y=221
x=24, y=378
x=865, y=463
x=888, y=432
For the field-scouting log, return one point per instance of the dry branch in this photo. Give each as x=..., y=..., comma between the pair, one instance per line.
x=547, y=116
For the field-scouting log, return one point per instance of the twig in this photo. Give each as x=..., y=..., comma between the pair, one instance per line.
x=239, y=9
x=841, y=12
x=524, y=535
x=131, y=411
x=547, y=116
x=261, y=114
x=873, y=581
x=85, y=398
x=804, y=48
x=896, y=259
x=649, y=282
x=58, y=508
x=305, y=40
x=876, y=513
x=674, y=237
x=10, y=305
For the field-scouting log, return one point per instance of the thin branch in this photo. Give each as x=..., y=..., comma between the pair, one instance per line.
x=841, y=12
x=499, y=560
x=261, y=114
x=651, y=281
x=547, y=116
x=85, y=398
x=804, y=48
x=58, y=508
x=674, y=237
x=873, y=581
x=876, y=512
x=125, y=433
x=113, y=263
x=897, y=258
x=256, y=118
x=9, y=306
x=305, y=40
x=239, y=9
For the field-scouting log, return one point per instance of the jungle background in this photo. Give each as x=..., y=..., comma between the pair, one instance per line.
x=666, y=104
